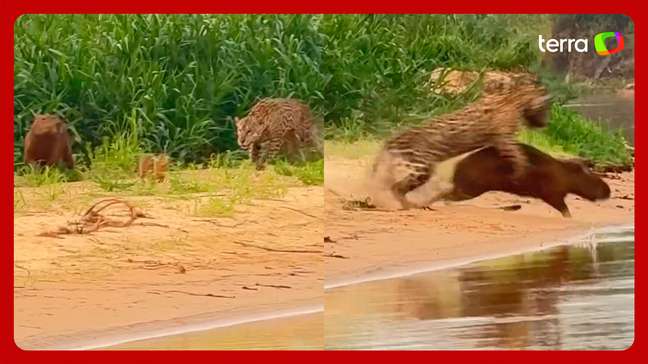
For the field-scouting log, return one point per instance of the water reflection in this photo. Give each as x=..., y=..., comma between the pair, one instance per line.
x=566, y=297
x=611, y=110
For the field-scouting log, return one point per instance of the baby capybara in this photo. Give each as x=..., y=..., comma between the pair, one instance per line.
x=546, y=178
x=154, y=166
x=48, y=142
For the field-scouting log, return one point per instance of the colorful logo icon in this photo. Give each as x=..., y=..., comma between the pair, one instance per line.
x=601, y=48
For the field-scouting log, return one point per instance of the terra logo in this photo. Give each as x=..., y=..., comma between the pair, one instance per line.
x=602, y=49
x=581, y=45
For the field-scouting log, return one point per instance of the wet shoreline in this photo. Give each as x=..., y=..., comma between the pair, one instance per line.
x=148, y=335
x=570, y=237
x=114, y=337
x=577, y=296
x=284, y=318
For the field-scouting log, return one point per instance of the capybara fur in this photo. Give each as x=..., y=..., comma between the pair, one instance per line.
x=546, y=178
x=153, y=166
x=48, y=142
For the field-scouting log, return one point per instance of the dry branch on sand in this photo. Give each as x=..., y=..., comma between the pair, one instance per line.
x=93, y=220
x=276, y=250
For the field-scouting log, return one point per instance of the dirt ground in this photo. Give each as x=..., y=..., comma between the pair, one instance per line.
x=171, y=269
x=167, y=270
x=363, y=244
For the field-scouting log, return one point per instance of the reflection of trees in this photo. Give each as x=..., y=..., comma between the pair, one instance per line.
x=622, y=252
x=437, y=296
x=517, y=292
x=514, y=301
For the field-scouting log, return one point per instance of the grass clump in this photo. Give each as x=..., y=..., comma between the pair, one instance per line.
x=32, y=176
x=309, y=173
x=113, y=164
x=232, y=187
x=216, y=206
x=181, y=185
x=117, y=157
x=229, y=159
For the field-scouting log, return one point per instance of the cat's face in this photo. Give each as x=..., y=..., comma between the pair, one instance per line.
x=244, y=133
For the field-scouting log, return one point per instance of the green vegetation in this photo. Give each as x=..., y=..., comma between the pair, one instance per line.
x=180, y=77
x=179, y=185
x=241, y=191
x=116, y=158
x=379, y=64
x=35, y=177
x=388, y=60
x=309, y=173
x=571, y=133
x=211, y=191
x=132, y=84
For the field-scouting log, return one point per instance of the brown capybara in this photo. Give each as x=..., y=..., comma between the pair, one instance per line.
x=546, y=178
x=153, y=166
x=48, y=142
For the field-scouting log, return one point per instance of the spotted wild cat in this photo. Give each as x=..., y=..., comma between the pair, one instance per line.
x=277, y=125
x=407, y=161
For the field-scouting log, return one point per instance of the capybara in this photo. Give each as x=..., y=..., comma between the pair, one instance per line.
x=48, y=142
x=154, y=166
x=547, y=178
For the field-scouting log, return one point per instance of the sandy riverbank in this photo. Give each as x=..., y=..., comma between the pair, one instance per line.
x=174, y=273
x=295, y=332
x=166, y=272
x=365, y=245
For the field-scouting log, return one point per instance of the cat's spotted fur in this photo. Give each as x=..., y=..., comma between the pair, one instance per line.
x=408, y=160
x=275, y=125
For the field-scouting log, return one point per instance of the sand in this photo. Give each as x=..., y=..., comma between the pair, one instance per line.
x=300, y=332
x=366, y=245
x=167, y=272
x=175, y=273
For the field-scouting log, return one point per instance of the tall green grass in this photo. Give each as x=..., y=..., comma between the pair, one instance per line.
x=183, y=78
x=130, y=84
x=379, y=64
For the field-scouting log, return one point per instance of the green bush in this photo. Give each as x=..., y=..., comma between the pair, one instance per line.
x=182, y=78
x=570, y=132
x=131, y=84
x=378, y=64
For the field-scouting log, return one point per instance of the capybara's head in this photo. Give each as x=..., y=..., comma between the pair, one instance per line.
x=584, y=182
x=163, y=162
x=45, y=117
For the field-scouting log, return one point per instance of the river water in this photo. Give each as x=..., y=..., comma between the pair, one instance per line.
x=610, y=110
x=567, y=297
x=578, y=296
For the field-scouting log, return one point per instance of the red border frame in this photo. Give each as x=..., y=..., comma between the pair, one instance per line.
x=12, y=9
